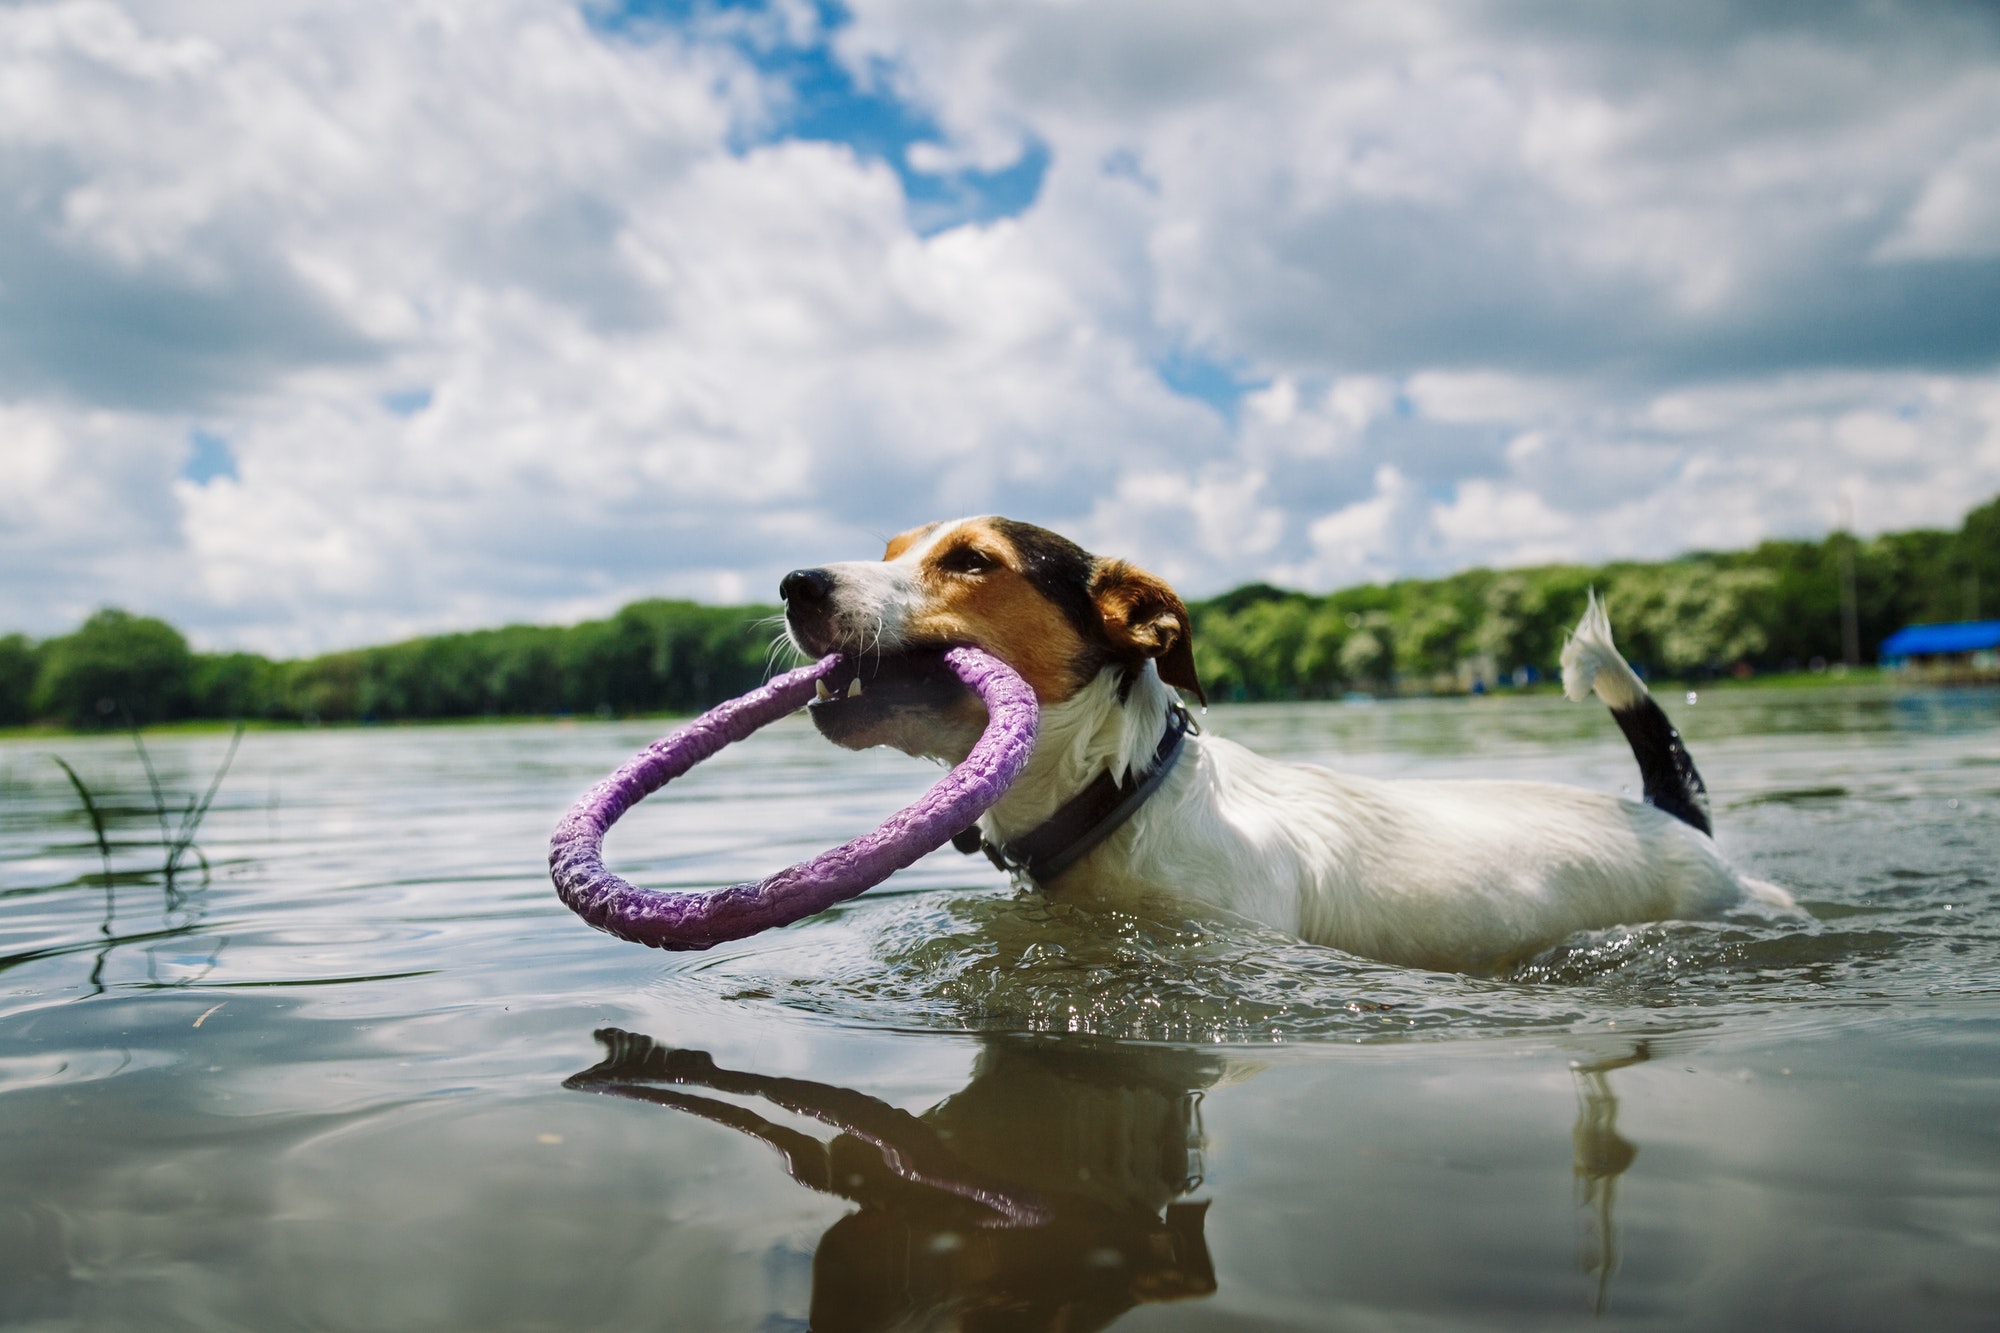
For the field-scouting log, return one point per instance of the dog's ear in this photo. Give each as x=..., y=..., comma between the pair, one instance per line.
x=1144, y=618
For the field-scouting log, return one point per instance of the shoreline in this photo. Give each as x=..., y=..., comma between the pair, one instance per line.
x=1866, y=679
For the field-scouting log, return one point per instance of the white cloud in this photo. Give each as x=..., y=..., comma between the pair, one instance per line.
x=505, y=316
x=1370, y=540
x=1957, y=214
x=652, y=363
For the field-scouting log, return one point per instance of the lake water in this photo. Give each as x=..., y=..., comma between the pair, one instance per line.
x=370, y=1074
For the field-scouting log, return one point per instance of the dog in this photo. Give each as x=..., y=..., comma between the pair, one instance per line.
x=1123, y=799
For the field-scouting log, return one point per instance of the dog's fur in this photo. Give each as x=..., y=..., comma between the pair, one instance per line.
x=1450, y=875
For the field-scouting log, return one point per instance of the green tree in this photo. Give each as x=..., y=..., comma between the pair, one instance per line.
x=651, y=656
x=1273, y=634
x=1428, y=637
x=1689, y=615
x=1525, y=615
x=323, y=688
x=1319, y=670
x=19, y=663
x=233, y=685
x=1973, y=562
x=116, y=665
x=1367, y=652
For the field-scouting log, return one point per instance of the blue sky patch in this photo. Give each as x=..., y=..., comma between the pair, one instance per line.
x=824, y=102
x=940, y=202
x=1193, y=375
x=209, y=457
x=1124, y=164
x=407, y=402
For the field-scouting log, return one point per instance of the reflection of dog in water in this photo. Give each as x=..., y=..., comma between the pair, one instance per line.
x=1044, y=1195
x=1602, y=1154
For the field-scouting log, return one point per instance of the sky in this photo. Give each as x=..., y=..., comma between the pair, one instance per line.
x=331, y=323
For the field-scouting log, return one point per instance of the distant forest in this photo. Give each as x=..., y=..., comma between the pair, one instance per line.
x=1777, y=607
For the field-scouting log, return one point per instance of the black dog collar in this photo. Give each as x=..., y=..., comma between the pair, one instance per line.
x=1087, y=818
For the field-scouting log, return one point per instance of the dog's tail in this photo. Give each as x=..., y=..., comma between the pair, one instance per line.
x=1591, y=662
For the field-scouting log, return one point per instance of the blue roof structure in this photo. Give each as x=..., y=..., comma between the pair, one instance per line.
x=1966, y=636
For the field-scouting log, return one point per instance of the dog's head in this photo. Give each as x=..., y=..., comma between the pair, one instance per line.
x=1045, y=606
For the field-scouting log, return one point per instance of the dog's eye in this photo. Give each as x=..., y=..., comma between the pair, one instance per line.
x=966, y=560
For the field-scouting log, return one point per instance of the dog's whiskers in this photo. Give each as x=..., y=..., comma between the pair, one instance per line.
x=772, y=655
x=880, y=626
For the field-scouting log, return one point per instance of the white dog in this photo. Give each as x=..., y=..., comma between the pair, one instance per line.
x=1123, y=800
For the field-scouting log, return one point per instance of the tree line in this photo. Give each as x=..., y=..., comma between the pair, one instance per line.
x=653, y=656
x=1776, y=607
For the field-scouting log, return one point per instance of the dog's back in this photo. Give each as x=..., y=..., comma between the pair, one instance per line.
x=1446, y=874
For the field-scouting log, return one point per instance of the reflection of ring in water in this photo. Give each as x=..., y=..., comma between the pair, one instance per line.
x=1042, y=1195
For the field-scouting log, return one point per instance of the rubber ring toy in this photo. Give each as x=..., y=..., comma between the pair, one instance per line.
x=673, y=919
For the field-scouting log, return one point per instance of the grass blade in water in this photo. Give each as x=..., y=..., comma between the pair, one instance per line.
x=89, y=808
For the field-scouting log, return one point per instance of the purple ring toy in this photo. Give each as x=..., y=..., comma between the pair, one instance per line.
x=672, y=919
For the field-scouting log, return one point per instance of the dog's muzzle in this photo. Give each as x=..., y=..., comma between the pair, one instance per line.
x=809, y=609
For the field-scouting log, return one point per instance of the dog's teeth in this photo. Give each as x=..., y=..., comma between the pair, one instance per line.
x=854, y=690
x=819, y=688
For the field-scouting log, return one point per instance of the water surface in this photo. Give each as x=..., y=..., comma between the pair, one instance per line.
x=368, y=1073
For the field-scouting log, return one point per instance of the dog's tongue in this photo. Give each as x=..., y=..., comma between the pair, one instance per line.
x=671, y=919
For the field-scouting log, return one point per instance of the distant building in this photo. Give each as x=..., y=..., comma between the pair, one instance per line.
x=1969, y=649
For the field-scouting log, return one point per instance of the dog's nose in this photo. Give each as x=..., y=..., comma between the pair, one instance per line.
x=805, y=586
